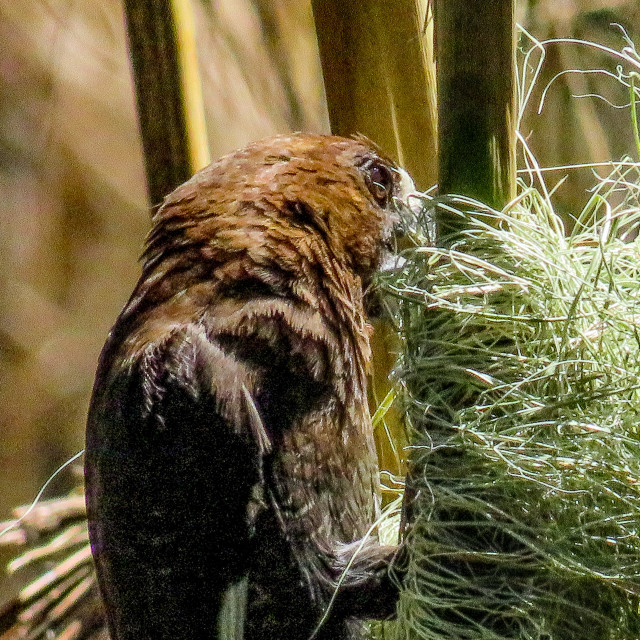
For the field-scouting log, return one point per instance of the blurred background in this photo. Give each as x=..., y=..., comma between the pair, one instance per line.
x=72, y=195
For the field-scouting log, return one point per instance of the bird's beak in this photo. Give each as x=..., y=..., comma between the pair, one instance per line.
x=407, y=192
x=411, y=229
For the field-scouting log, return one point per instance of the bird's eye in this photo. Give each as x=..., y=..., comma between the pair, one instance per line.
x=379, y=181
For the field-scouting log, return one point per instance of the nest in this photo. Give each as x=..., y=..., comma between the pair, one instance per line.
x=521, y=373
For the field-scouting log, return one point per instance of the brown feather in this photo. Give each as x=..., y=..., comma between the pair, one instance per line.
x=247, y=329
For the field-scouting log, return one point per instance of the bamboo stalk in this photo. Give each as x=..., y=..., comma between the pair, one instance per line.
x=168, y=92
x=196, y=125
x=379, y=78
x=475, y=50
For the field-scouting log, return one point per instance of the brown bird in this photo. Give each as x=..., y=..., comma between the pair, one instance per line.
x=231, y=474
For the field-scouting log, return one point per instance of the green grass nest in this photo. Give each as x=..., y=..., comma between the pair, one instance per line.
x=521, y=374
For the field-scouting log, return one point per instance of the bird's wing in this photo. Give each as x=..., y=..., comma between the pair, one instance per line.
x=171, y=466
x=173, y=450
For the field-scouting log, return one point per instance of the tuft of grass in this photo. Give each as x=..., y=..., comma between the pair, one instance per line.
x=521, y=376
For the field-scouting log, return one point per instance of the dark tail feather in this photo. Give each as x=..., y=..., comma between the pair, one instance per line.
x=59, y=599
x=231, y=618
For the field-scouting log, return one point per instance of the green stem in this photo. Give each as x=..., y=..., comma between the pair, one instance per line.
x=634, y=113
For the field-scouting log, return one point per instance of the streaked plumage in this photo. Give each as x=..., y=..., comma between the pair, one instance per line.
x=230, y=460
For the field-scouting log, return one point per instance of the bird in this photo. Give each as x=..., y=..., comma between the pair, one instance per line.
x=231, y=476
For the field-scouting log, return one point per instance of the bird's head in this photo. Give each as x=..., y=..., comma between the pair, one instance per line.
x=321, y=200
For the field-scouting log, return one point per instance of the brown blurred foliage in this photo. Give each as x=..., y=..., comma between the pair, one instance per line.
x=72, y=197
x=570, y=129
